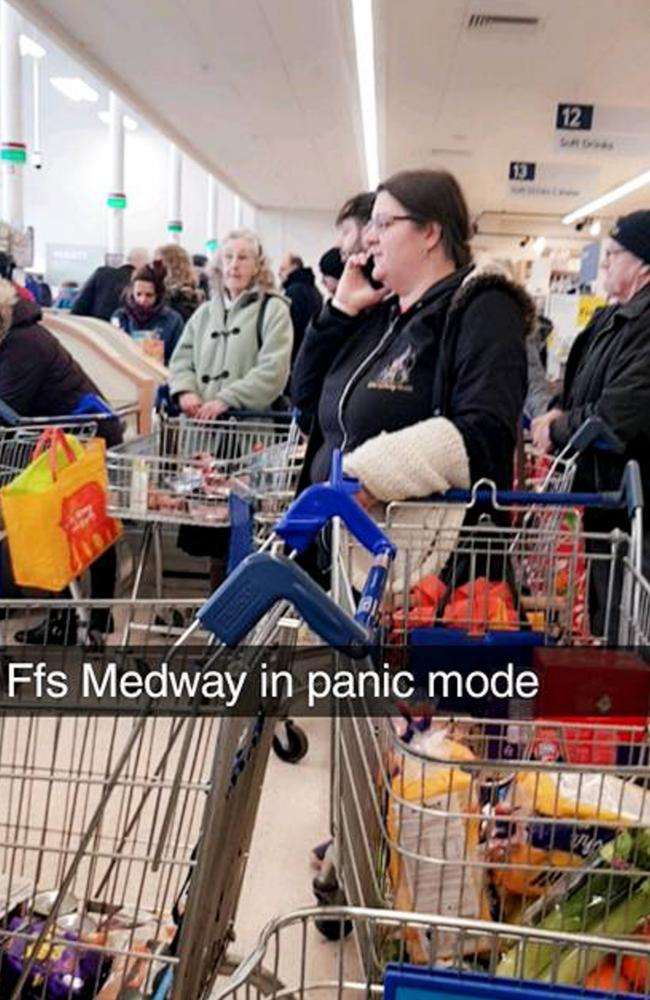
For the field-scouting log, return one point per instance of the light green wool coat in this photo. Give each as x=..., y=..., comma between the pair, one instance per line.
x=218, y=356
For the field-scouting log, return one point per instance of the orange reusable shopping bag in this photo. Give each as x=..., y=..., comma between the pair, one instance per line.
x=55, y=512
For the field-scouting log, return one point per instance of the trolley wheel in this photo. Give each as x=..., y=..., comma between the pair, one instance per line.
x=294, y=746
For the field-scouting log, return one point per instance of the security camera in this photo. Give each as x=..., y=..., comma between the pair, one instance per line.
x=580, y=225
x=37, y=160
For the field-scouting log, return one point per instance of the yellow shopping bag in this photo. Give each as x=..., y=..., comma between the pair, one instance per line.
x=55, y=512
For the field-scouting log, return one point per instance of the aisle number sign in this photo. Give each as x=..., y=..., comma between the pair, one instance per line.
x=520, y=171
x=574, y=117
x=548, y=180
x=587, y=306
x=623, y=131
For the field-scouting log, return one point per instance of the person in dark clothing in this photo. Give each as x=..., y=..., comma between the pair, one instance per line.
x=299, y=285
x=39, y=378
x=199, y=264
x=608, y=376
x=351, y=221
x=101, y=295
x=331, y=268
x=422, y=389
x=144, y=314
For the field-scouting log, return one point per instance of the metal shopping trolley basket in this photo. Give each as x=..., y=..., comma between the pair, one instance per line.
x=475, y=808
x=125, y=836
x=184, y=472
x=381, y=964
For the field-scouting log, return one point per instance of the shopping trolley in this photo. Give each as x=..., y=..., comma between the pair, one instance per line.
x=381, y=965
x=462, y=809
x=125, y=839
x=184, y=472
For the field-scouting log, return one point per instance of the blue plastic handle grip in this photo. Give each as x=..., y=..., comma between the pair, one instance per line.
x=90, y=404
x=319, y=504
x=257, y=584
x=373, y=591
x=316, y=507
x=597, y=434
x=8, y=415
x=632, y=488
x=615, y=499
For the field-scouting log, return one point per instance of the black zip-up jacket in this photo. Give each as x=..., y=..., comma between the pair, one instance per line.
x=459, y=353
x=102, y=293
x=608, y=375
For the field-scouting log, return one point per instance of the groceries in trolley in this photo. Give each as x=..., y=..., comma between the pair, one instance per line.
x=483, y=822
x=185, y=471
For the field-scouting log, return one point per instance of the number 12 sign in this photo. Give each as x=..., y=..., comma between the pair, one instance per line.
x=574, y=117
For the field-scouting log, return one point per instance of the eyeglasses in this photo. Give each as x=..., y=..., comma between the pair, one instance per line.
x=380, y=223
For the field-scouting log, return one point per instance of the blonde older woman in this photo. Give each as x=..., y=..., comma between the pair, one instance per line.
x=235, y=351
x=181, y=287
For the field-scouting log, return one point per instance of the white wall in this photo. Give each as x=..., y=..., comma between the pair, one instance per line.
x=307, y=234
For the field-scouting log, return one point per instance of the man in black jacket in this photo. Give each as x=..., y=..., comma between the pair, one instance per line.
x=608, y=375
x=299, y=285
x=102, y=293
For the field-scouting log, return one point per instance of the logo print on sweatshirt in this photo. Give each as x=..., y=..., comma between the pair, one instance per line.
x=396, y=375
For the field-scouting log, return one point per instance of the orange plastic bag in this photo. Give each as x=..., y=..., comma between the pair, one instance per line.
x=481, y=605
x=55, y=512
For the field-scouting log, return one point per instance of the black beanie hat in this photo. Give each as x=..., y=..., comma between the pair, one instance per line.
x=331, y=263
x=633, y=233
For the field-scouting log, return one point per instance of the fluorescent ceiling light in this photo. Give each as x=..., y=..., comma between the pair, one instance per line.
x=364, y=41
x=129, y=123
x=74, y=88
x=606, y=199
x=28, y=47
x=595, y=228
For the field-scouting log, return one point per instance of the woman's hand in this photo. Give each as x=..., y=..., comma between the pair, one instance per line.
x=190, y=403
x=365, y=499
x=541, y=431
x=354, y=293
x=212, y=410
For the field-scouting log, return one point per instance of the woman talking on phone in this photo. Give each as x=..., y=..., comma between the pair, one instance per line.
x=420, y=382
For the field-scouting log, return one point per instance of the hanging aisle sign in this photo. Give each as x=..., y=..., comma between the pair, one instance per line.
x=587, y=128
x=550, y=180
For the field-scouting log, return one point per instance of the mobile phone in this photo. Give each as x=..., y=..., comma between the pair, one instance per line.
x=366, y=271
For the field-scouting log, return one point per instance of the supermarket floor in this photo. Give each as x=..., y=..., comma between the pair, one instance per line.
x=293, y=817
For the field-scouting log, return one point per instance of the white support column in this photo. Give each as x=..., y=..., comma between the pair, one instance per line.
x=238, y=212
x=116, y=200
x=212, y=221
x=13, y=152
x=37, y=152
x=175, y=222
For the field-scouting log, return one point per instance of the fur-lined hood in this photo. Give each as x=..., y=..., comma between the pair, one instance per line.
x=481, y=278
x=15, y=311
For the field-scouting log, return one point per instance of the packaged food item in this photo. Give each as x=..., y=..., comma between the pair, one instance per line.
x=525, y=833
x=59, y=971
x=433, y=816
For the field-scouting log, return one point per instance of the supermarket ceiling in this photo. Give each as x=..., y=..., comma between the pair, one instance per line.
x=264, y=92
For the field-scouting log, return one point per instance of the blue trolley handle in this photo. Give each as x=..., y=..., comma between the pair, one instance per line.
x=318, y=505
x=263, y=580
x=8, y=416
x=597, y=434
x=630, y=495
